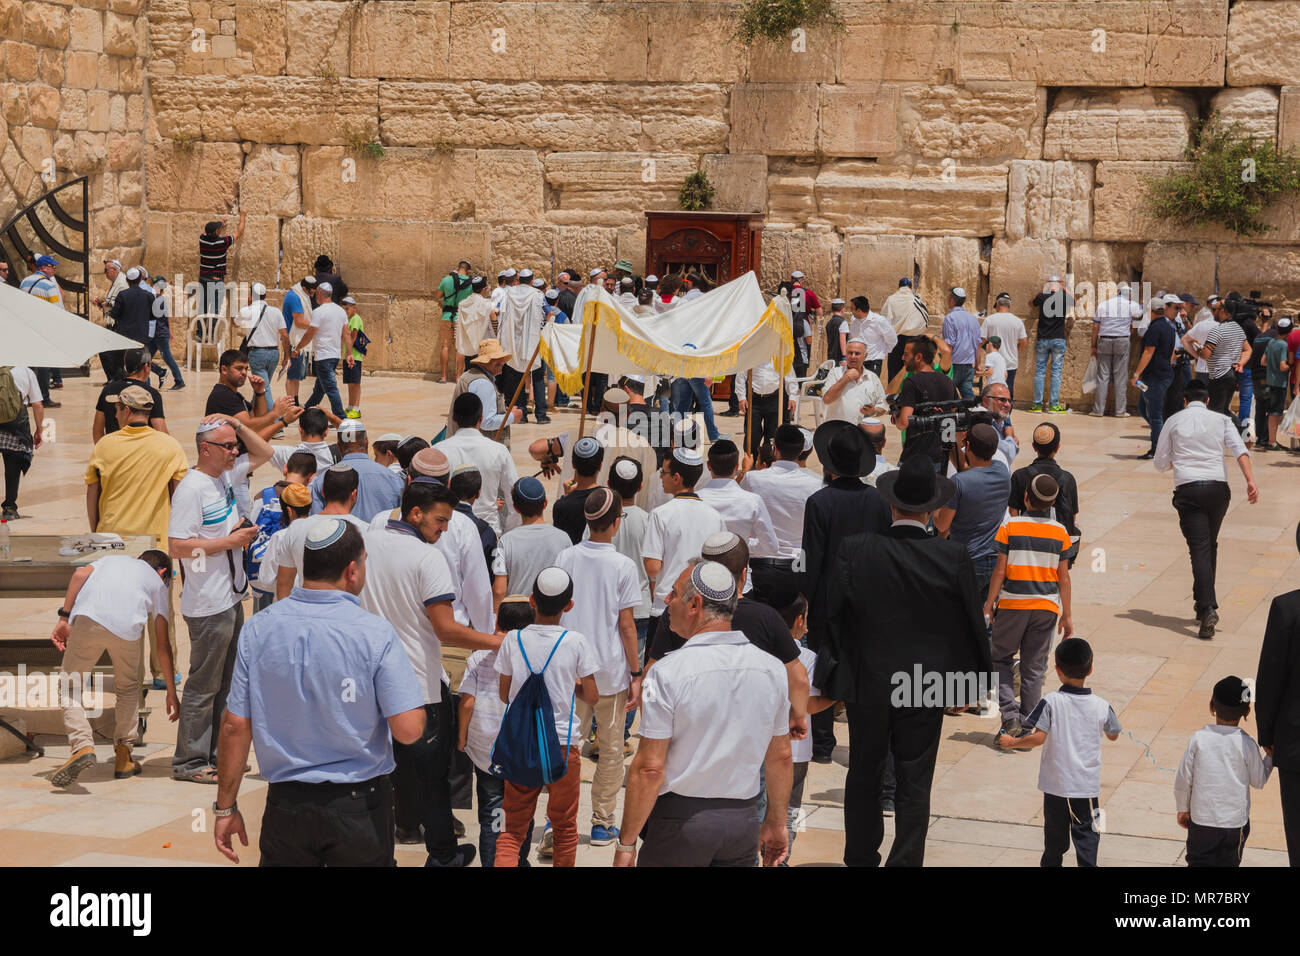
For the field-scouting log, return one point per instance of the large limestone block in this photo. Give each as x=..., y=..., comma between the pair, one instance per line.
x=739, y=181
x=1021, y=267
x=413, y=327
x=813, y=57
x=561, y=116
x=303, y=238
x=609, y=189
x=814, y=253
x=1273, y=270
x=921, y=199
x=905, y=41
x=285, y=109
x=508, y=186
x=774, y=118
x=260, y=34
x=269, y=182
x=429, y=184
x=320, y=32
x=1118, y=201
x=944, y=262
x=1263, y=36
x=495, y=41
x=580, y=248
x=872, y=266
x=400, y=36
x=691, y=43
x=1255, y=108
x=791, y=192
x=1119, y=125
x=522, y=246
x=858, y=119
x=205, y=177
x=1049, y=200
x=604, y=41
x=449, y=242
x=394, y=256
x=978, y=121
x=1180, y=267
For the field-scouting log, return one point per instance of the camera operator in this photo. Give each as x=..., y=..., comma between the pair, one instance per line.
x=922, y=384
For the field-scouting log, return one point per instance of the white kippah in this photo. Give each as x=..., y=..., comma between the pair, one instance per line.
x=688, y=456
x=626, y=469
x=720, y=542
x=713, y=581
x=324, y=532
x=552, y=581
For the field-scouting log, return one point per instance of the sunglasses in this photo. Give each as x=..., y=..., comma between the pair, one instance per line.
x=227, y=445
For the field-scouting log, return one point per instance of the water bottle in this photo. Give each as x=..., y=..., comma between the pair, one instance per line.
x=4, y=541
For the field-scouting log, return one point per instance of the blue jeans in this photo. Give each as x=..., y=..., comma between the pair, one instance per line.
x=1151, y=404
x=1042, y=348
x=492, y=819
x=642, y=625
x=162, y=345
x=963, y=376
x=683, y=389
x=1245, y=389
x=326, y=385
x=262, y=361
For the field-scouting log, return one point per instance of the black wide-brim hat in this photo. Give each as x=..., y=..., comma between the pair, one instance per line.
x=843, y=449
x=914, y=486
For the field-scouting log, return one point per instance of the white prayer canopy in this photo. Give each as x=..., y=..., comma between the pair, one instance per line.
x=722, y=332
x=40, y=334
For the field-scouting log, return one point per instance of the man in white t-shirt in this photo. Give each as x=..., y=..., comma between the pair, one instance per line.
x=1010, y=329
x=107, y=606
x=602, y=611
x=853, y=390
x=205, y=532
x=325, y=337
x=409, y=584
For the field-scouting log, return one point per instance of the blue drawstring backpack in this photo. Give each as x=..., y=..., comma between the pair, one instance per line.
x=527, y=751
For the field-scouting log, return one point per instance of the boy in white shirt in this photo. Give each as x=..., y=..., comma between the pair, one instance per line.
x=572, y=665
x=1070, y=722
x=481, y=710
x=1212, y=788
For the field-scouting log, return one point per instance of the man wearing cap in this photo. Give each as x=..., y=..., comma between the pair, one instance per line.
x=1010, y=329
x=264, y=327
x=42, y=284
x=325, y=337
x=742, y=511
x=961, y=330
x=453, y=290
x=907, y=313
x=469, y=446
x=875, y=332
x=480, y=377
x=767, y=400
x=1155, y=370
x=677, y=528
x=379, y=489
x=923, y=587
x=136, y=366
x=297, y=307
x=853, y=390
x=1112, y=325
x=714, y=713
x=213, y=250
x=785, y=488
x=474, y=320
x=328, y=755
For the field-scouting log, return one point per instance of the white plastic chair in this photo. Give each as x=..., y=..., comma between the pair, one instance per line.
x=208, y=330
x=819, y=407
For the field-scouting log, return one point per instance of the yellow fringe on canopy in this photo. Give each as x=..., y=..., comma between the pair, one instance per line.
x=660, y=361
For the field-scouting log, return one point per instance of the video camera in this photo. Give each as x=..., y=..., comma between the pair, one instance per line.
x=946, y=418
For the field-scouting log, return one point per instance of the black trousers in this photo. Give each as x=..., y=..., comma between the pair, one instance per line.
x=328, y=824
x=1215, y=846
x=422, y=780
x=766, y=410
x=1066, y=819
x=1221, y=392
x=1201, y=506
x=1289, y=782
x=912, y=733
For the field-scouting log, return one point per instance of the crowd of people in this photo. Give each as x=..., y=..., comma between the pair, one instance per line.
x=429, y=631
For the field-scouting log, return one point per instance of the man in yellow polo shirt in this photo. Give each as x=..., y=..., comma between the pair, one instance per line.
x=131, y=476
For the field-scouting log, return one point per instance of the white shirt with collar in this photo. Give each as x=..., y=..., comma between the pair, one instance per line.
x=1193, y=442
x=744, y=513
x=1116, y=316
x=718, y=700
x=867, y=390
x=874, y=329
x=469, y=446
x=766, y=382
x=676, y=533
x=785, y=488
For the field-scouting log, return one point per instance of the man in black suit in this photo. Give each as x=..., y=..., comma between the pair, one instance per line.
x=845, y=506
x=1277, y=706
x=901, y=604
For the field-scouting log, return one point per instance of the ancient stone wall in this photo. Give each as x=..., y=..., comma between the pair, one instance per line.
x=988, y=143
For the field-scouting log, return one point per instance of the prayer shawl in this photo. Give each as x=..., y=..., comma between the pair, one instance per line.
x=473, y=323
x=520, y=324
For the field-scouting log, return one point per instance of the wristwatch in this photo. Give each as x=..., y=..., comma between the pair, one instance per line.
x=230, y=811
x=64, y=614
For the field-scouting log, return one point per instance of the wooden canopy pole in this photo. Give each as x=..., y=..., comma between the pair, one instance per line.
x=518, y=390
x=586, y=381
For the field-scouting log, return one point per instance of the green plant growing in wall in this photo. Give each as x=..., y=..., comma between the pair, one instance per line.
x=1232, y=178
x=696, y=192
x=776, y=20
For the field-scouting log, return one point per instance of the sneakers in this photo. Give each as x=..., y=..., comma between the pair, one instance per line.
x=72, y=768
x=125, y=766
x=546, y=847
x=603, y=836
x=1208, y=620
x=1058, y=409
x=464, y=856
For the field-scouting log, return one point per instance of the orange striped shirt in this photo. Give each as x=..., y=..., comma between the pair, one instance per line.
x=1035, y=547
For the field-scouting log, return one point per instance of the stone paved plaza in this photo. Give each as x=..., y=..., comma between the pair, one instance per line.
x=986, y=810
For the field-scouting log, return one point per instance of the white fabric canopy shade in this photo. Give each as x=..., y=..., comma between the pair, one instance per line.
x=719, y=333
x=39, y=334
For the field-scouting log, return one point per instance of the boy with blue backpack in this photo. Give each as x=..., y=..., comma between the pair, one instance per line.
x=544, y=669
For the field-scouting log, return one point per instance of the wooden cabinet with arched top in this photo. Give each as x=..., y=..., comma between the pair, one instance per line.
x=720, y=245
